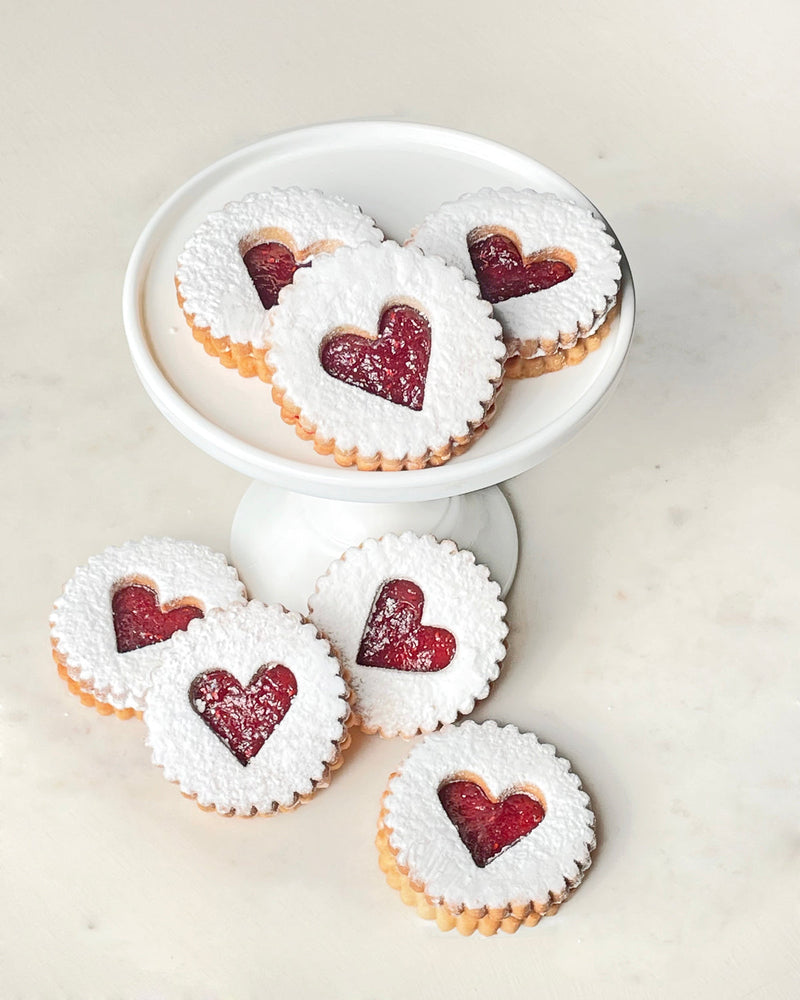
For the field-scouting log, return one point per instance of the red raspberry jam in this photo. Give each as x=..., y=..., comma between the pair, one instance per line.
x=271, y=266
x=395, y=637
x=393, y=365
x=502, y=272
x=140, y=621
x=486, y=827
x=243, y=718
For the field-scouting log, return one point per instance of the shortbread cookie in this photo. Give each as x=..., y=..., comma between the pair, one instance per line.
x=548, y=266
x=234, y=266
x=385, y=358
x=248, y=713
x=117, y=616
x=419, y=627
x=484, y=828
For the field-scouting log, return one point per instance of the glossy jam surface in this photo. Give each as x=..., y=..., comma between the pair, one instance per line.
x=488, y=827
x=394, y=636
x=243, y=718
x=140, y=621
x=271, y=267
x=393, y=365
x=503, y=273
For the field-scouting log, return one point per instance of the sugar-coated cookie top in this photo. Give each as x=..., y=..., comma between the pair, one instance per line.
x=532, y=225
x=212, y=278
x=248, y=709
x=419, y=626
x=386, y=350
x=541, y=864
x=88, y=631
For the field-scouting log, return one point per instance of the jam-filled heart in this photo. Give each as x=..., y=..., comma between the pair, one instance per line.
x=486, y=826
x=271, y=267
x=243, y=718
x=393, y=365
x=139, y=620
x=395, y=637
x=502, y=271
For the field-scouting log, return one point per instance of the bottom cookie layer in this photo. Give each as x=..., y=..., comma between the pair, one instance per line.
x=486, y=920
x=519, y=367
x=88, y=699
x=291, y=414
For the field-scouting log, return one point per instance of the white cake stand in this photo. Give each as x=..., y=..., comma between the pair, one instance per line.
x=302, y=510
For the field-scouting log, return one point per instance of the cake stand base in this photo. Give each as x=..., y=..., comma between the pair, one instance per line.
x=281, y=542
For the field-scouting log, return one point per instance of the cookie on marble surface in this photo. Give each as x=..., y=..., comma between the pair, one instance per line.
x=548, y=266
x=419, y=627
x=116, y=616
x=235, y=264
x=484, y=828
x=249, y=711
x=384, y=358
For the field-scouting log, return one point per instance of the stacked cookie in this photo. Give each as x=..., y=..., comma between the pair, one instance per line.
x=390, y=357
x=248, y=708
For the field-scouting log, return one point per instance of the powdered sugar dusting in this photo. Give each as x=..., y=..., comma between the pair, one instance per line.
x=241, y=640
x=82, y=622
x=459, y=597
x=212, y=277
x=541, y=866
x=351, y=289
x=560, y=314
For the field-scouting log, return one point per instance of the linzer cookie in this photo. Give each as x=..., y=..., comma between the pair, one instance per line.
x=384, y=358
x=117, y=616
x=484, y=828
x=548, y=266
x=234, y=266
x=419, y=627
x=249, y=711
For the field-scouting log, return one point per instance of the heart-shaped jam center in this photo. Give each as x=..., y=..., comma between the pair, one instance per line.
x=243, y=718
x=271, y=267
x=393, y=365
x=487, y=826
x=139, y=619
x=504, y=273
x=395, y=637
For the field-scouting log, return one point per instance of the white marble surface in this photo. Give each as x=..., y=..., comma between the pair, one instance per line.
x=654, y=635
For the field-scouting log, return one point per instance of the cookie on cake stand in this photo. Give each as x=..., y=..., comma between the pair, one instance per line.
x=302, y=509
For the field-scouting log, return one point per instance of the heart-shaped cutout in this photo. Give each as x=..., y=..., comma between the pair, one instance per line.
x=504, y=273
x=243, y=718
x=271, y=267
x=139, y=620
x=395, y=637
x=488, y=826
x=392, y=365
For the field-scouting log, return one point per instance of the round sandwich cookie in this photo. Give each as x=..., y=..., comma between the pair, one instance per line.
x=484, y=828
x=419, y=627
x=118, y=614
x=249, y=712
x=548, y=266
x=384, y=358
x=235, y=264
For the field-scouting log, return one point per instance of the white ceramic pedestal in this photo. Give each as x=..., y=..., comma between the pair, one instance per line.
x=303, y=510
x=281, y=542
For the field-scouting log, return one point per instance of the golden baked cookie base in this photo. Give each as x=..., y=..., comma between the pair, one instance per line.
x=251, y=361
x=561, y=357
x=248, y=360
x=291, y=414
x=86, y=696
x=486, y=920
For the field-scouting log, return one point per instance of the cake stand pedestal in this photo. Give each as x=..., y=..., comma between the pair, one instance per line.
x=302, y=510
x=281, y=541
